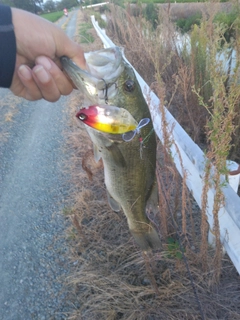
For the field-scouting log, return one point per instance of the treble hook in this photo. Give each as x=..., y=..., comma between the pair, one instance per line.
x=106, y=91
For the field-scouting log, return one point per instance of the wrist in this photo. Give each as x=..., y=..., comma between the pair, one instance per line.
x=8, y=47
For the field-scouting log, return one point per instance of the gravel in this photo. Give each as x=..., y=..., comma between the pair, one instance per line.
x=33, y=193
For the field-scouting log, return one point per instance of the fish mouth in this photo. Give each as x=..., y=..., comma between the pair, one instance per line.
x=99, y=81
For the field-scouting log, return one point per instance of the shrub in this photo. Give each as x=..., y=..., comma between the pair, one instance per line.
x=230, y=21
x=151, y=14
x=185, y=25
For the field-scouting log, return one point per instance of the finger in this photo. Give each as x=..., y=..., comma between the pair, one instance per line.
x=46, y=83
x=63, y=84
x=72, y=50
x=29, y=89
x=77, y=55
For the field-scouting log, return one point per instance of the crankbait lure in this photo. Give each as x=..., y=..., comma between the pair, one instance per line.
x=109, y=119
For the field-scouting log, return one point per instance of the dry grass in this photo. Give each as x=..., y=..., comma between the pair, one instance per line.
x=111, y=279
x=184, y=11
x=157, y=59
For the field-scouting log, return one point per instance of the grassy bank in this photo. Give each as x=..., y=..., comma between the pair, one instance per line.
x=52, y=16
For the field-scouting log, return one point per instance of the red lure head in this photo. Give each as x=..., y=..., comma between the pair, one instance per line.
x=88, y=116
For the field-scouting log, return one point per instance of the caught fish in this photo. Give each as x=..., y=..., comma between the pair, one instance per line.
x=129, y=165
x=108, y=119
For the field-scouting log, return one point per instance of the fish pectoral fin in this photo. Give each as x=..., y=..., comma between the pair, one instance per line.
x=96, y=153
x=117, y=155
x=113, y=203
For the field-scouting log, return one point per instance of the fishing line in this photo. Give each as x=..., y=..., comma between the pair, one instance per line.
x=182, y=252
x=106, y=91
x=148, y=136
x=128, y=136
x=142, y=141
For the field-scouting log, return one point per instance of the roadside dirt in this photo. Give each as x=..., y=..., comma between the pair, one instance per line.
x=33, y=193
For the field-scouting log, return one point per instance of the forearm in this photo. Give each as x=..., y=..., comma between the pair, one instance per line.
x=7, y=47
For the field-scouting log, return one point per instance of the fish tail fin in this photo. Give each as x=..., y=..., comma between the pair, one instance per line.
x=147, y=240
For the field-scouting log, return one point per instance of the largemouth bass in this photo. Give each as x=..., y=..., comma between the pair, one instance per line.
x=129, y=164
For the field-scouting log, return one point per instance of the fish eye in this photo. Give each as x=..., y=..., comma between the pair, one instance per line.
x=82, y=116
x=129, y=86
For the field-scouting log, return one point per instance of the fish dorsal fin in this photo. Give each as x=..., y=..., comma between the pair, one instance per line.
x=116, y=154
x=115, y=206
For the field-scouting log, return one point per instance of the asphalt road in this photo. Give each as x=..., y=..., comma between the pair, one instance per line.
x=33, y=191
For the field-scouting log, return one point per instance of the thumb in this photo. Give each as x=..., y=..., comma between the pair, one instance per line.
x=73, y=51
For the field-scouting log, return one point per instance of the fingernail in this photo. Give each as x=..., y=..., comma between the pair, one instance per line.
x=25, y=72
x=41, y=74
x=43, y=61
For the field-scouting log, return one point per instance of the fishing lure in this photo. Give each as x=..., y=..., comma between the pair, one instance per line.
x=109, y=119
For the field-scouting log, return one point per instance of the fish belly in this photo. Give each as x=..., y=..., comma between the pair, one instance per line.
x=130, y=186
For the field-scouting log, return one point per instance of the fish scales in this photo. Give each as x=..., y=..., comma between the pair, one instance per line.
x=129, y=167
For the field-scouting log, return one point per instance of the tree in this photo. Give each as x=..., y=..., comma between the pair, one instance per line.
x=66, y=4
x=28, y=5
x=50, y=5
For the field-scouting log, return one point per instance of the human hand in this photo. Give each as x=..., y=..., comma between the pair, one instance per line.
x=40, y=44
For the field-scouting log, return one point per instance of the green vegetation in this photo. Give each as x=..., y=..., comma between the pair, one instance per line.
x=161, y=1
x=150, y=12
x=85, y=36
x=185, y=25
x=231, y=21
x=40, y=6
x=174, y=249
x=52, y=16
x=102, y=24
x=28, y=5
x=199, y=61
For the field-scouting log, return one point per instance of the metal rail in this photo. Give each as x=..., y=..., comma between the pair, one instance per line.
x=95, y=5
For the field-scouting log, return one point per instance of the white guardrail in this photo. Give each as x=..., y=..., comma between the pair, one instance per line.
x=193, y=162
x=95, y=5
